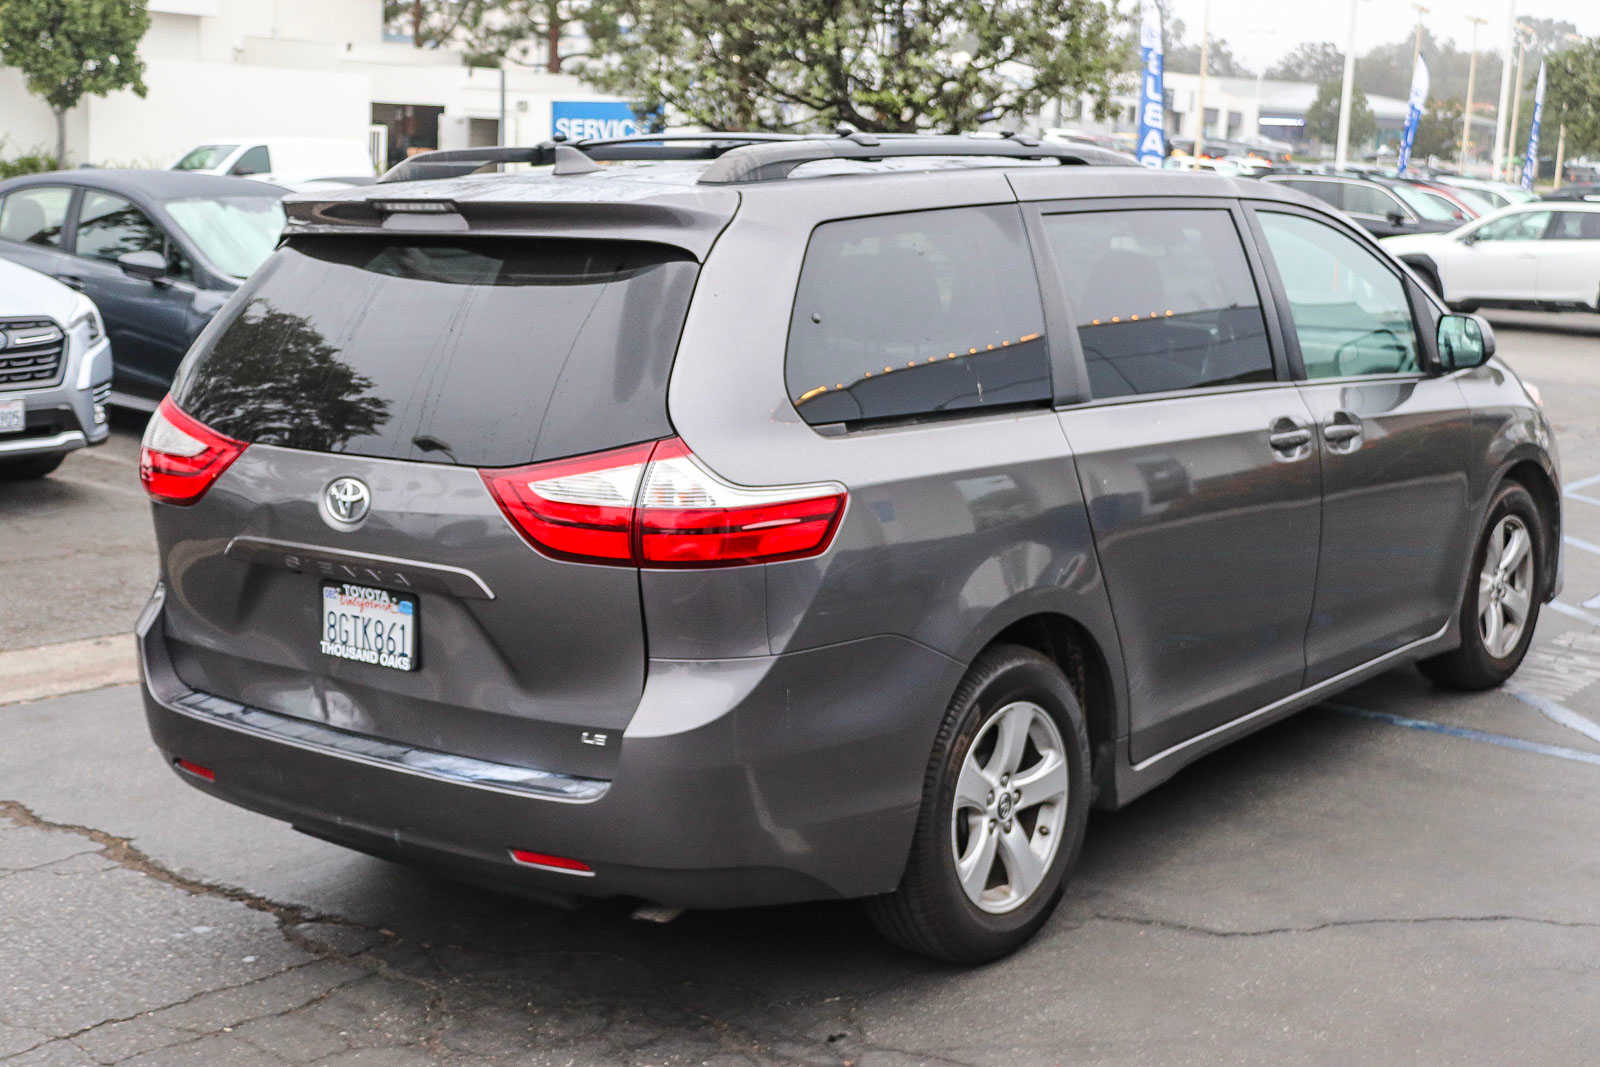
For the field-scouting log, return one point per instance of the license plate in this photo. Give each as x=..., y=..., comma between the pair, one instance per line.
x=369, y=625
x=13, y=418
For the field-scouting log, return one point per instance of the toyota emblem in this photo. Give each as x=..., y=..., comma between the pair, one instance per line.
x=346, y=501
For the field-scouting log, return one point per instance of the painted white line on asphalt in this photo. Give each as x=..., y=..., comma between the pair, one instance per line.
x=1558, y=713
x=1573, y=487
x=55, y=670
x=1576, y=613
x=1578, y=542
x=105, y=487
x=1585, y=499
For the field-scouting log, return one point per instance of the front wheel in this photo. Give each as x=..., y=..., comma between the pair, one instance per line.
x=1501, y=605
x=1005, y=802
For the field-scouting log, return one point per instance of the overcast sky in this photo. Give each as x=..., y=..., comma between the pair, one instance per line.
x=1259, y=31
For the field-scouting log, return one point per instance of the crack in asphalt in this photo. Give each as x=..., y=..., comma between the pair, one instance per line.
x=1335, y=924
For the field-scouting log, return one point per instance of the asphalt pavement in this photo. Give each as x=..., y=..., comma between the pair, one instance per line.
x=1402, y=875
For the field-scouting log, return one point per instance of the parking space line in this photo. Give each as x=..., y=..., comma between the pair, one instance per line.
x=1576, y=613
x=1573, y=487
x=1469, y=734
x=1578, y=542
x=1559, y=714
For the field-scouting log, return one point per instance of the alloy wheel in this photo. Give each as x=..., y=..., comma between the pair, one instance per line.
x=1505, y=586
x=1010, y=806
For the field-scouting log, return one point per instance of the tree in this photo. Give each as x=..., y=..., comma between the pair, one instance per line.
x=1310, y=61
x=1322, y=118
x=1438, y=131
x=896, y=66
x=1572, y=89
x=527, y=32
x=1182, y=57
x=69, y=49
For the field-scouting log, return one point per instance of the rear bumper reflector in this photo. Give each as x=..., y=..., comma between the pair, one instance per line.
x=552, y=863
x=195, y=769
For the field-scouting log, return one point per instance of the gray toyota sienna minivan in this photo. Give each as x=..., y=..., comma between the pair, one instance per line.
x=733, y=520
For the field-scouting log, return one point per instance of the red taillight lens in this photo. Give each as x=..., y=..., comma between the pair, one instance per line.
x=576, y=509
x=195, y=769
x=181, y=456
x=656, y=505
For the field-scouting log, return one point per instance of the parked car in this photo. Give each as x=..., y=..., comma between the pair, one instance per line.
x=1544, y=254
x=158, y=252
x=828, y=517
x=1589, y=192
x=1498, y=194
x=55, y=371
x=295, y=162
x=1383, y=206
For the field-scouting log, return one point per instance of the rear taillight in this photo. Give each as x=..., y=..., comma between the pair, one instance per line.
x=180, y=456
x=656, y=505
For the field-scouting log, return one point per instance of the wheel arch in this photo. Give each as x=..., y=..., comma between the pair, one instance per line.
x=1073, y=647
x=1532, y=474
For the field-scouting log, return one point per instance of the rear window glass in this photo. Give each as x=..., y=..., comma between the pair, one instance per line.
x=917, y=314
x=481, y=352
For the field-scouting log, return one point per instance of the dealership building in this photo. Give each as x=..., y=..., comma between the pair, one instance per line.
x=223, y=70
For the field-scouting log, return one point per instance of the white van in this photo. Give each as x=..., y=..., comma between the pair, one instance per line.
x=297, y=162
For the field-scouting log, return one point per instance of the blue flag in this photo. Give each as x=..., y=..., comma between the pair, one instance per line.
x=1419, y=97
x=1152, y=149
x=1530, y=161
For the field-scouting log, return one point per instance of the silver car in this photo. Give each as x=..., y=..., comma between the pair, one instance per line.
x=759, y=520
x=55, y=373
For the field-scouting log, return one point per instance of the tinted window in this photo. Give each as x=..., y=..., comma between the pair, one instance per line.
x=109, y=226
x=1350, y=311
x=914, y=314
x=254, y=161
x=205, y=157
x=1518, y=226
x=1370, y=200
x=481, y=352
x=35, y=216
x=1327, y=192
x=1575, y=226
x=1430, y=206
x=1164, y=299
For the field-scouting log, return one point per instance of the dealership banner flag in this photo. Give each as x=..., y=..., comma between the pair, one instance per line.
x=1152, y=111
x=1419, y=97
x=1530, y=159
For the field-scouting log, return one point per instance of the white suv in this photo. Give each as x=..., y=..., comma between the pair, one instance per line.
x=55, y=373
x=1542, y=255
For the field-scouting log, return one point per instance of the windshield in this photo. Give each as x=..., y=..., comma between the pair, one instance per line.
x=1477, y=201
x=234, y=232
x=1430, y=206
x=206, y=157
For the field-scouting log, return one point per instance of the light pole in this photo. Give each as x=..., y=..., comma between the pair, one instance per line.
x=1472, y=82
x=1497, y=159
x=1516, y=101
x=1416, y=49
x=1200, y=93
x=1341, y=155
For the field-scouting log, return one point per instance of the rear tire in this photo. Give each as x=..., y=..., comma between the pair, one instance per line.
x=17, y=470
x=1501, y=606
x=1005, y=801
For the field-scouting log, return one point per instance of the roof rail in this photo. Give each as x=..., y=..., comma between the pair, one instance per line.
x=745, y=157
x=768, y=162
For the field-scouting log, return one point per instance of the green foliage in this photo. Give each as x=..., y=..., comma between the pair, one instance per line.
x=35, y=162
x=69, y=49
x=1312, y=61
x=1572, y=96
x=1438, y=131
x=893, y=67
x=1322, y=118
x=528, y=32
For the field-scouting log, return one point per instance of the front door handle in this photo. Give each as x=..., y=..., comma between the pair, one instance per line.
x=1342, y=431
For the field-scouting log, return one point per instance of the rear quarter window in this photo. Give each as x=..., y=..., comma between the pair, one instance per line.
x=922, y=313
x=481, y=352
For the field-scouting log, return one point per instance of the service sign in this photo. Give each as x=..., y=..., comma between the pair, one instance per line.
x=582, y=120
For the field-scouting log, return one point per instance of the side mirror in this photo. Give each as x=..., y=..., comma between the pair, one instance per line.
x=145, y=265
x=1465, y=341
x=1470, y=239
x=1397, y=219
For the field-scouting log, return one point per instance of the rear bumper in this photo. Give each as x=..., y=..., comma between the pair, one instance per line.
x=739, y=782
